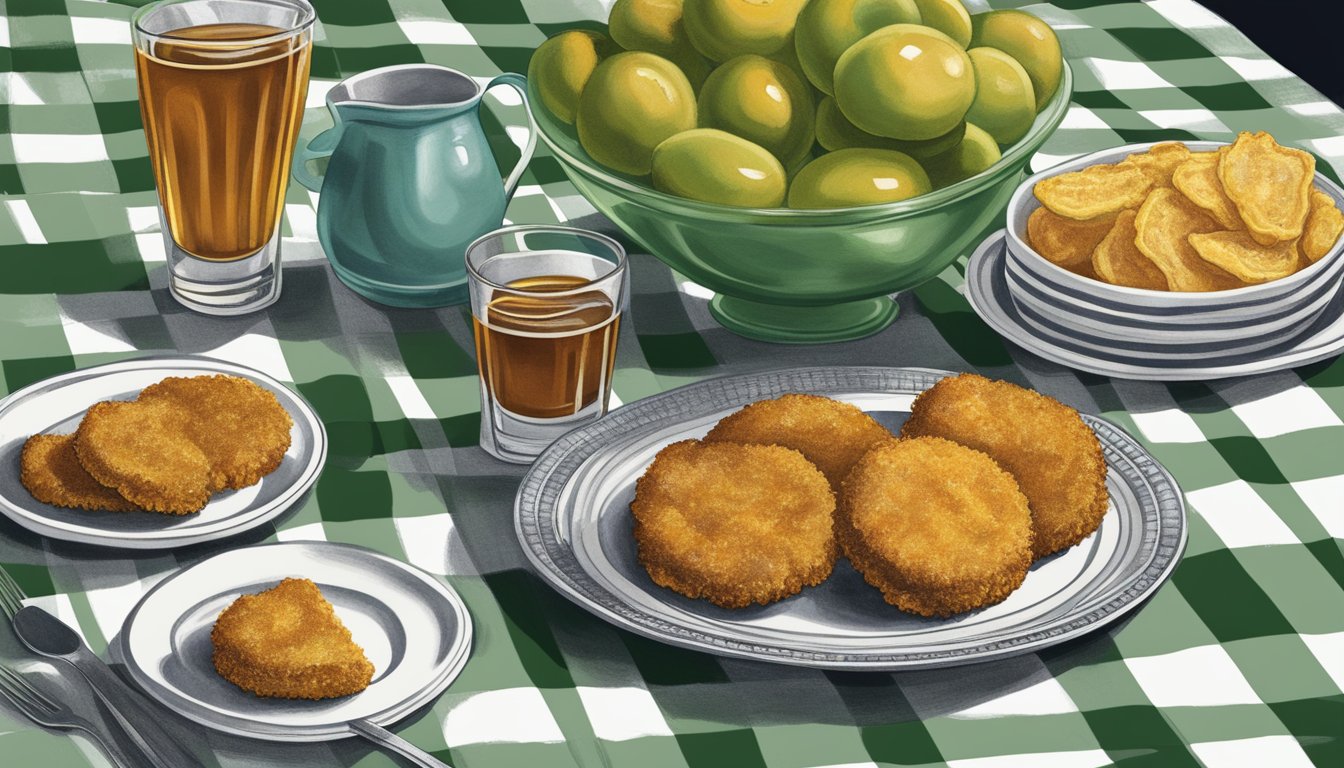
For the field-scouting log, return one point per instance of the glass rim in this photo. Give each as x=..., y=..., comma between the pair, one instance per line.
x=306, y=19
x=617, y=268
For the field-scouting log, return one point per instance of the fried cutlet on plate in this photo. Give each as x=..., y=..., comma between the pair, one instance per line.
x=51, y=472
x=240, y=426
x=734, y=524
x=141, y=451
x=938, y=527
x=288, y=642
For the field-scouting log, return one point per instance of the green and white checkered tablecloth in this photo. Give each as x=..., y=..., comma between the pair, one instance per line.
x=1238, y=661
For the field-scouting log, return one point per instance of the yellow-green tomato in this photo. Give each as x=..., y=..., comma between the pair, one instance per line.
x=632, y=102
x=826, y=28
x=655, y=26
x=834, y=131
x=561, y=66
x=975, y=154
x=1005, y=102
x=715, y=166
x=764, y=102
x=850, y=177
x=905, y=81
x=722, y=29
x=1029, y=40
x=947, y=16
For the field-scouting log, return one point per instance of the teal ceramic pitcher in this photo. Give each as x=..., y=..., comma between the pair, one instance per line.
x=410, y=182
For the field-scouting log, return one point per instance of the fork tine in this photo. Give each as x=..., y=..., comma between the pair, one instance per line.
x=11, y=594
x=23, y=692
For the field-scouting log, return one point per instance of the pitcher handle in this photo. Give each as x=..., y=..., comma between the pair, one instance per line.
x=320, y=146
x=518, y=83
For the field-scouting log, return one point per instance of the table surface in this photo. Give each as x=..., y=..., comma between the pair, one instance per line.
x=1238, y=660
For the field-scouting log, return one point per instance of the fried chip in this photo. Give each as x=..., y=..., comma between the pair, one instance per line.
x=1239, y=255
x=1067, y=243
x=1323, y=227
x=1164, y=224
x=1159, y=162
x=50, y=470
x=1269, y=184
x=1197, y=179
x=1094, y=191
x=1118, y=261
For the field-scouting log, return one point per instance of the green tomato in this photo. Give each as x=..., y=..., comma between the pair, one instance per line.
x=905, y=81
x=1029, y=40
x=722, y=29
x=632, y=102
x=947, y=16
x=764, y=102
x=1005, y=102
x=561, y=66
x=714, y=166
x=975, y=154
x=826, y=28
x=656, y=26
x=850, y=177
x=834, y=131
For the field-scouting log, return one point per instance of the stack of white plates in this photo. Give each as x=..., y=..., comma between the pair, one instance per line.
x=1142, y=333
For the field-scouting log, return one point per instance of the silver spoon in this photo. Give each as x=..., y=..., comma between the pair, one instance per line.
x=48, y=636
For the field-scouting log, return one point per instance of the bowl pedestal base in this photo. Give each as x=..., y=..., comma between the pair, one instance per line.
x=782, y=324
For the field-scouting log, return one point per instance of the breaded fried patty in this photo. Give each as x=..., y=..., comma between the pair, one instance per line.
x=288, y=642
x=51, y=472
x=734, y=524
x=937, y=527
x=831, y=434
x=1043, y=443
x=241, y=427
x=140, y=450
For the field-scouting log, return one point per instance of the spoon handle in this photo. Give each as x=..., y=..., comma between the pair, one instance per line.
x=124, y=706
x=394, y=743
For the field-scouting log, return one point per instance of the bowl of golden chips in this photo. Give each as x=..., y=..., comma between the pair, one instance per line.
x=1204, y=246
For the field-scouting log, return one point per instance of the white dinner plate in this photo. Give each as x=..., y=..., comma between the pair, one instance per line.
x=414, y=629
x=991, y=298
x=57, y=405
x=572, y=517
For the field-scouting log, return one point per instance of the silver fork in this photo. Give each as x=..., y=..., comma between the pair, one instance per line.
x=11, y=594
x=53, y=714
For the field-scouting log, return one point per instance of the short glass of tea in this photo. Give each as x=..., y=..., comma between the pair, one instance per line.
x=222, y=86
x=546, y=306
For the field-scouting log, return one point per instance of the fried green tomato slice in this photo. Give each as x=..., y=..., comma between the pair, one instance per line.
x=1043, y=443
x=830, y=434
x=734, y=524
x=938, y=527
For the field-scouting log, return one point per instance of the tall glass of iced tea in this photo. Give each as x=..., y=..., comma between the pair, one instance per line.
x=222, y=86
x=546, y=306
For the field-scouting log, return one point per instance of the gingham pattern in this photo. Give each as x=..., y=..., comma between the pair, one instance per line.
x=1238, y=661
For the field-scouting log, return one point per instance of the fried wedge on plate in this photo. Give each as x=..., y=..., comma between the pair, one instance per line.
x=734, y=524
x=1237, y=254
x=1044, y=444
x=1197, y=179
x=1323, y=227
x=1067, y=243
x=240, y=426
x=1163, y=225
x=1270, y=185
x=1094, y=191
x=51, y=471
x=1159, y=162
x=141, y=451
x=938, y=527
x=1118, y=261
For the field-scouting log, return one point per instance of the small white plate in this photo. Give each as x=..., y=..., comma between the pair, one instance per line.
x=57, y=405
x=414, y=629
x=991, y=298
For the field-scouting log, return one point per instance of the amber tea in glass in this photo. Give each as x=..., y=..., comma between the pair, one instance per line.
x=222, y=86
x=546, y=313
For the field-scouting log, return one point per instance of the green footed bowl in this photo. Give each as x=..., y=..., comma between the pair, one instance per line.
x=804, y=276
